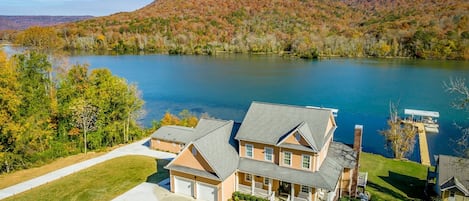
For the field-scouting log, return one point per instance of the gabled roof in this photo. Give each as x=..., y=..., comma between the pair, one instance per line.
x=454, y=183
x=269, y=123
x=185, y=135
x=305, y=132
x=215, y=148
x=453, y=172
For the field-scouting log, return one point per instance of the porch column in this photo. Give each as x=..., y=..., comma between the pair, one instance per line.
x=270, y=187
x=292, y=193
x=252, y=184
x=310, y=195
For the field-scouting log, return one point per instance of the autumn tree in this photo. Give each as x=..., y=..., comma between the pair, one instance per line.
x=400, y=136
x=10, y=101
x=84, y=117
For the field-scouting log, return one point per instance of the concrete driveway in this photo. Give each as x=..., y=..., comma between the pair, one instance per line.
x=151, y=192
x=136, y=148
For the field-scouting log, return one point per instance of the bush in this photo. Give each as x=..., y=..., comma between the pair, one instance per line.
x=241, y=196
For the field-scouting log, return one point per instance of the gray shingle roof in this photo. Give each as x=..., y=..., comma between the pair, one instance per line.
x=453, y=170
x=215, y=148
x=268, y=123
x=185, y=134
x=179, y=134
x=326, y=178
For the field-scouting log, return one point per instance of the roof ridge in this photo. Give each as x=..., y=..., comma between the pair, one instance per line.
x=293, y=106
x=203, y=154
x=225, y=122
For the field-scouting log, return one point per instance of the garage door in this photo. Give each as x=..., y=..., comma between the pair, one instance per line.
x=206, y=192
x=183, y=186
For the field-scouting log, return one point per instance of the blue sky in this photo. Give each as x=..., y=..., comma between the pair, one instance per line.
x=69, y=7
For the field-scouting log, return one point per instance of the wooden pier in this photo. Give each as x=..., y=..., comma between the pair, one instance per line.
x=423, y=145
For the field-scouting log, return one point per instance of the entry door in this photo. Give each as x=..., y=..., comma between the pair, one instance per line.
x=285, y=188
x=206, y=192
x=183, y=186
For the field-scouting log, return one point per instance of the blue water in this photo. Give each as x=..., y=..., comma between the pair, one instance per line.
x=224, y=86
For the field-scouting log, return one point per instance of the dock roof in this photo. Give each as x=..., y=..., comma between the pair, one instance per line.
x=422, y=113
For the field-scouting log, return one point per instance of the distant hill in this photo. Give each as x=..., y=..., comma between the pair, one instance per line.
x=306, y=28
x=23, y=22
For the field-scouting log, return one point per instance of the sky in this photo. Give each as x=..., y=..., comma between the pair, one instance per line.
x=69, y=7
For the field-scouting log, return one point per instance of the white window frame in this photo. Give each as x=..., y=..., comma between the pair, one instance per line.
x=303, y=161
x=291, y=157
x=271, y=153
x=302, y=188
x=247, y=177
x=252, y=150
x=266, y=181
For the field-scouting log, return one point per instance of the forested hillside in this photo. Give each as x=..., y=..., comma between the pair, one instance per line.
x=305, y=28
x=51, y=111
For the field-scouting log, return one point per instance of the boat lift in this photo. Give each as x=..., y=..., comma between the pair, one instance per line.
x=428, y=118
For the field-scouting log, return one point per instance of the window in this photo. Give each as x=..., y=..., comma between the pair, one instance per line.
x=266, y=181
x=287, y=158
x=268, y=152
x=247, y=177
x=249, y=150
x=304, y=189
x=194, y=151
x=306, y=162
x=298, y=137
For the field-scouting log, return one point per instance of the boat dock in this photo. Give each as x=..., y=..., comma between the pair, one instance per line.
x=423, y=145
x=426, y=123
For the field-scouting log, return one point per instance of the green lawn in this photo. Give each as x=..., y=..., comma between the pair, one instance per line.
x=104, y=181
x=390, y=179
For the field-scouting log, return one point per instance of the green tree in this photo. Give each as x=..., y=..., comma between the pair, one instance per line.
x=10, y=101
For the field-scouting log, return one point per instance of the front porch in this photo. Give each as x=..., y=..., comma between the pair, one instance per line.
x=273, y=189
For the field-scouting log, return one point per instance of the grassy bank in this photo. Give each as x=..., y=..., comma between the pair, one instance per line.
x=100, y=182
x=390, y=179
x=9, y=179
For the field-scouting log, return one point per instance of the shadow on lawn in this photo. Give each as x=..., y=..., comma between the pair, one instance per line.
x=161, y=173
x=411, y=186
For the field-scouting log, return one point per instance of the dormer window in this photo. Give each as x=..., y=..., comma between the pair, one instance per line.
x=249, y=150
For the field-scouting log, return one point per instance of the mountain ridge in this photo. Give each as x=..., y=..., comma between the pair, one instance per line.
x=20, y=22
x=306, y=28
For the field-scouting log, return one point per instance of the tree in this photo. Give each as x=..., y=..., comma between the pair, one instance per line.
x=85, y=116
x=459, y=88
x=400, y=136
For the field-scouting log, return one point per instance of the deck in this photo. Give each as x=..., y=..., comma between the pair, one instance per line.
x=423, y=145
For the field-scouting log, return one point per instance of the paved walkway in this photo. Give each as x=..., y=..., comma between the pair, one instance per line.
x=136, y=148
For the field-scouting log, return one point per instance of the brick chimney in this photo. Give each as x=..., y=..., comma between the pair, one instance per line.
x=357, y=147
